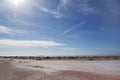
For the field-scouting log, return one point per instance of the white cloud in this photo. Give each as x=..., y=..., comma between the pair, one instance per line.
x=10, y=31
x=19, y=21
x=55, y=13
x=28, y=43
x=16, y=19
x=63, y=4
x=85, y=8
x=72, y=28
x=113, y=7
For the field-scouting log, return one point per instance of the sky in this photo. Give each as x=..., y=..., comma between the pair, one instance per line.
x=59, y=27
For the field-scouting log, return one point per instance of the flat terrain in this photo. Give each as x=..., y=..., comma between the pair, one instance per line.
x=19, y=69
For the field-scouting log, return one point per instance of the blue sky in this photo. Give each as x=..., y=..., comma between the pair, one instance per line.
x=59, y=27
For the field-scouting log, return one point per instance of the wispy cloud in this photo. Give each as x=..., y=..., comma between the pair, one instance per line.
x=62, y=4
x=10, y=31
x=16, y=19
x=19, y=21
x=55, y=13
x=113, y=7
x=72, y=28
x=85, y=8
x=28, y=43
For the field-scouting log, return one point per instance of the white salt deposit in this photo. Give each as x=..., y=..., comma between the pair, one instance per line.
x=111, y=67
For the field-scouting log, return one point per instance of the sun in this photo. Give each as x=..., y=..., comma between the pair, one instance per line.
x=18, y=7
x=17, y=2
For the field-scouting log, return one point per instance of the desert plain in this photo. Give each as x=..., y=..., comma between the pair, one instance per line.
x=26, y=69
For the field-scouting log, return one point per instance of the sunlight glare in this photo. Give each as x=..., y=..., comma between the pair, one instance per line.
x=17, y=2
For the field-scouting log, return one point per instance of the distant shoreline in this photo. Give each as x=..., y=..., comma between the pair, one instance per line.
x=64, y=57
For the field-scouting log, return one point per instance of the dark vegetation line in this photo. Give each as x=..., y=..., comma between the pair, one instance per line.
x=64, y=57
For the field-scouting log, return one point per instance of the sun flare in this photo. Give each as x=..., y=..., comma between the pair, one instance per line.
x=17, y=2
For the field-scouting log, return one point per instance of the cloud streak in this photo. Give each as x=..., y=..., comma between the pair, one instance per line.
x=10, y=31
x=28, y=43
x=19, y=21
x=55, y=13
x=72, y=28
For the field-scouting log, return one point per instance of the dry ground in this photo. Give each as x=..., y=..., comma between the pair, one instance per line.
x=59, y=70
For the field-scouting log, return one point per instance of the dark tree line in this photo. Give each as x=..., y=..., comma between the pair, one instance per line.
x=64, y=57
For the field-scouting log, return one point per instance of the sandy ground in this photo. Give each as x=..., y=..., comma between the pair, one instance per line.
x=59, y=70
